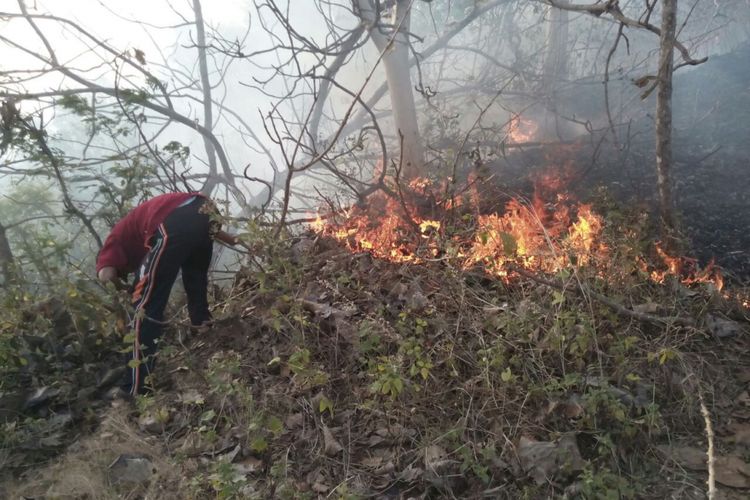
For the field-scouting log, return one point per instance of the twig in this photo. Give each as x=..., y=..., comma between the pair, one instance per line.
x=38, y=134
x=710, y=452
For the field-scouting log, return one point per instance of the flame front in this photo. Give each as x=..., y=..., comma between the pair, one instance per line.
x=541, y=234
x=548, y=233
x=382, y=230
x=686, y=268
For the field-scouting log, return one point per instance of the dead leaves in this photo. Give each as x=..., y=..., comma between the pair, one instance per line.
x=741, y=407
x=391, y=435
x=570, y=408
x=439, y=469
x=730, y=470
x=434, y=456
x=545, y=461
x=740, y=434
x=436, y=467
x=133, y=469
x=722, y=328
x=686, y=456
x=154, y=422
x=294, y=421
x=647, y=308
x=331, y=447
x=334, y=319
x=191, y=397
x=140, y=56
x=41, y=396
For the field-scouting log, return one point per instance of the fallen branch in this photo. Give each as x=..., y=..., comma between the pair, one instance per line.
x=711, y=481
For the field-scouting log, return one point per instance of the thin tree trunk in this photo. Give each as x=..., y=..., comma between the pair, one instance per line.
x=208, y=119
x=477, y=11
x=7, y=262
x=556, y=55
x=555, y=68
x=404, y=108
x=398, y=78
x=664, y=116
x=325, y=85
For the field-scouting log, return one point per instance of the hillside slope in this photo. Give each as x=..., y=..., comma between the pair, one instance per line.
x=335, y=374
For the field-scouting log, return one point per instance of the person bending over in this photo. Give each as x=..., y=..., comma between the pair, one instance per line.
x=156, y=240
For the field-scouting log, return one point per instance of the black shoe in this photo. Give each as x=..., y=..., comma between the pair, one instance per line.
x=202, y=327
x=117, y=394
x=117, y=376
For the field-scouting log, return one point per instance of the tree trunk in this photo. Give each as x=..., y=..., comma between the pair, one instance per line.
x=555, y=68
x=556, y=55
x=325, y=83
x=7, y=262
x=664, y=116
x=208, y=119
x=396, y=65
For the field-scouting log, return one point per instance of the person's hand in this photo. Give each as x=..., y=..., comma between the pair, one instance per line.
x=232, y=240
x=108, y=274
x=227, y=238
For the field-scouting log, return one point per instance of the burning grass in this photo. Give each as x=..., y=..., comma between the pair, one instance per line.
x=549, y=233
x=521, y=130
x=542, y=234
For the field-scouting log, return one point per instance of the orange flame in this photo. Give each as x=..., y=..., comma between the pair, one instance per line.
x=521, y=130
x=686, y=270
x=547, y=234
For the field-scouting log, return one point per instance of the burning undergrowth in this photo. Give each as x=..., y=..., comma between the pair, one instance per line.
x=548, y=231
x=425, y=222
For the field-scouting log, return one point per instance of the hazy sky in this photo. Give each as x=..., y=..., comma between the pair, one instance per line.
x=157, y=38
x=97, y=17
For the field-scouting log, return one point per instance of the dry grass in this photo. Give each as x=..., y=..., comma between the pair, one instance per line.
x=82, y=472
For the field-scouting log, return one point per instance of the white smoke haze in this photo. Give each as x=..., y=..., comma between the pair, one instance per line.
x=330, y=89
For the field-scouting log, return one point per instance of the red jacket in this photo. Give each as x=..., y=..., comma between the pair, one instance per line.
x=126, y=245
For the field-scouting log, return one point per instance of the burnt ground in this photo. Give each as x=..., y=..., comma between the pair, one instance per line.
x=712, y=150
x=711, y=105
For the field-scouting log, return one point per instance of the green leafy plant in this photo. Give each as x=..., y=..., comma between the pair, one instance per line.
x=305, y=374
x=388, y=379
x=419, y=364
x=604, y=484
x=227, y=482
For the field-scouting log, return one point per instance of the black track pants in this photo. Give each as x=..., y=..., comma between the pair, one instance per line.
x=181, y=242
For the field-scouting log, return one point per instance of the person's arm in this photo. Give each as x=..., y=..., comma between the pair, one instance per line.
x=215, y=221
x=230, y=239
x=224, y=237
x=112, y=257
